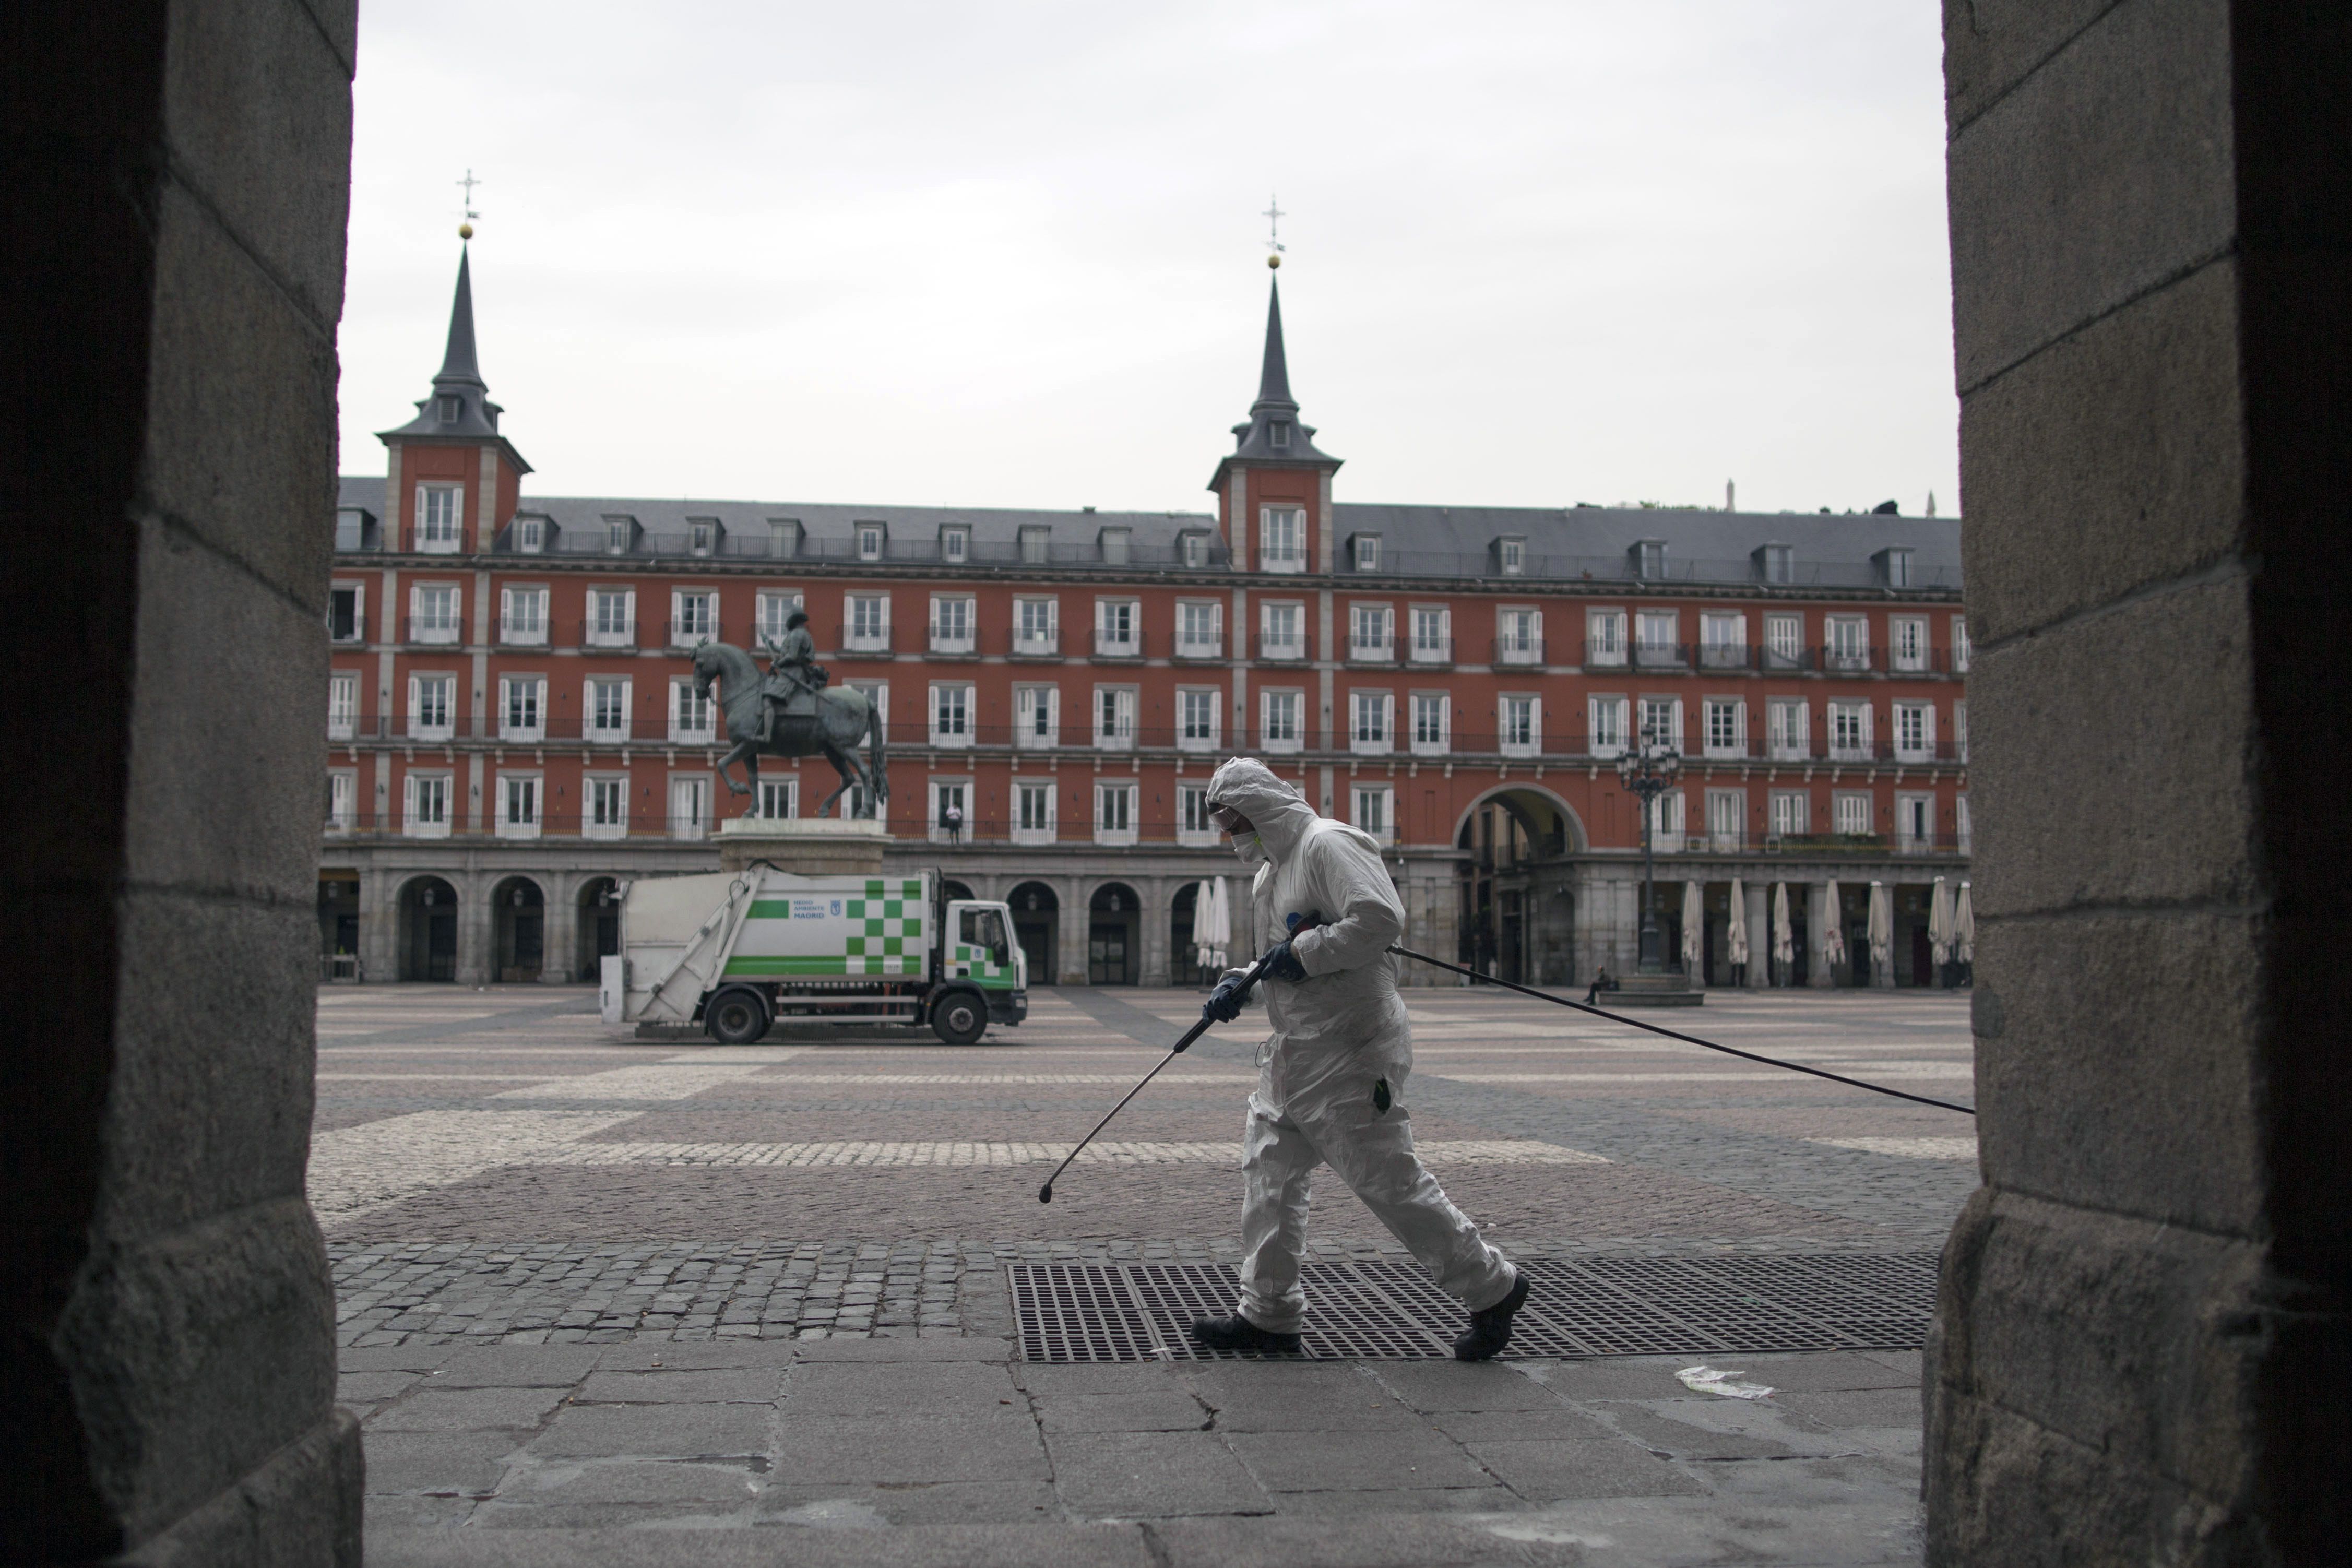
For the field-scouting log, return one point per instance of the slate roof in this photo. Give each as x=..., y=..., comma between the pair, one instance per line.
x=460, y=377
x=1275, y=412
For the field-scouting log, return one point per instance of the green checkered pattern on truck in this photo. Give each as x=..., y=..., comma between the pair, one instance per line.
x=888, y=939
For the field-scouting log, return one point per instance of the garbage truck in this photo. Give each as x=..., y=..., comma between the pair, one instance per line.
x=740, y=952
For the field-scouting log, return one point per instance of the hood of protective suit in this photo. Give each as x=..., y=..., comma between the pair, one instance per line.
x=1278, y=812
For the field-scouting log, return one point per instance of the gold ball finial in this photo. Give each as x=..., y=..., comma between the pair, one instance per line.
x=465, y=231
x=1274, y=262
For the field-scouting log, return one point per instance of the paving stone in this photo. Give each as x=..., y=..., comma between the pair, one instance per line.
x=1166, y=1410
x=392, y=1358
x=370, y=1387
x=533, y=1479
x=909, y=1448
x=641, y=1356
x=718, y=1385
x=657, y=1431
x=1720, y=1429
x=1876, y=1407
x=1353, y=1505
x=862, y=1388
x=1491, y=1426
x=518, y=1366
x=1147, y=1475
x=467, y=1463
x=467, y=1410
x=1100, y=1377
x=913, y=1546
x=1546, y=1469
x=1455, y=1385
x=1616, y=1377
x=1362, y=1459
x=1818, y=1372
x=1279, y=1397
x=1381, y=1540
x=953, y=1502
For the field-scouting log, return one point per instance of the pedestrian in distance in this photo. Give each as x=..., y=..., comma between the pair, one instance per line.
x=953, y=816
x=1601, y=981
x=1332, y=1075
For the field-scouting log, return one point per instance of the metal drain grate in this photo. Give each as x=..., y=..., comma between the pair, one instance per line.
x=1597, y=1306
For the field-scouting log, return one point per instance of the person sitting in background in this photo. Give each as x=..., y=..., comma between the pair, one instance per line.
x=1601, y=981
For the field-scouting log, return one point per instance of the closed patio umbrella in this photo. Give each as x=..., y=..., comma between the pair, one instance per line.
x=1220, y=922
x=1939, y=923
x=1784, y=935
x=1739, y=932
x=1693, y=925
x=1964, y=929
x=1882, y=931
x=1833, y=926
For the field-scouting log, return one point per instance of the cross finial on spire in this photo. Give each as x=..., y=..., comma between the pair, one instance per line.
x=1274, y=247
x=466, y=224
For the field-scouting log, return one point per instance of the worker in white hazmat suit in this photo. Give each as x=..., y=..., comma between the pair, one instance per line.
x=1331, y=1076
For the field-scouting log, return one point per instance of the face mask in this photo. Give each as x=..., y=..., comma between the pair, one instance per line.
x=1250, y=847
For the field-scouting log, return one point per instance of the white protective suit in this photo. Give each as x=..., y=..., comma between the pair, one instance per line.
x=1336, y=1037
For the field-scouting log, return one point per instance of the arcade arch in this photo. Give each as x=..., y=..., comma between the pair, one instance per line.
x=1114, y=936
x=518, y=931
x=1518, y=916
x=1037, y=928
x=428, y=929
x=598, y=927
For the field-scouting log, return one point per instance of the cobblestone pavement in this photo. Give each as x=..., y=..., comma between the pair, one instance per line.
x=532, y=1205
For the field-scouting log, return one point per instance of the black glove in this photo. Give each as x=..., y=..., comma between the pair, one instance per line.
x=1225, y=1003
x=1284, y=964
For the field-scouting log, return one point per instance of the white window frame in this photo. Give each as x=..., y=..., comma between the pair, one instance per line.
x=1024, y=829
x=1116, y=640
x=1112, y=717
x=1792, y=813
x=591, y=709
x=1282, y=539
x=437, y=630
x=1854, y=813
x=1605, y=643
x=421, y=728
x=1511, y=738
x=1960, y=731
x=1367, y=552
x=1427, y=739
x=1271, y=646
x=941, y=792
x=1788, y=722
x=1667, y=818
x=427, y=803
x=686, y=708
x=1906, y=644
x=605, y=797
x=778, y=792
x=1036, y=625
x=1961, y=649
x=1433, y=633
x=523, y=805
x=955, y=623
x=693, y=617
x=342, y=800
x=1027, y=701
x=1199, y=718
x=873, y=540
x=440, y=518
x=1294, y=699
x=1649, y=650
x=1511, y=554
x=1851, y=733
x=1518, y=635
x=522, y=617
x=771, y=609
x=1723, y=640
x=955, y=546
x=1845, y=642
x=1372, y=810
x=596, y=627
x=1607, y=719
x=1914, y=822
x=358, y=591
x=1723, y=726
x=1726, y=820
x=1669, y=709
x=952, y=706
x=1371, y=722
x=1200, y=628
x=342, y=704
x=689, y=806
x=1915, y=731
x=1371, y=633
x=865, y=623
x=1964, y=836
x=1193, y=828
x=1784, y=642
x=532, y=691
x=1117, y=804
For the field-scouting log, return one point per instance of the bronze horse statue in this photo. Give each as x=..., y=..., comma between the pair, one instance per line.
x=842, y=719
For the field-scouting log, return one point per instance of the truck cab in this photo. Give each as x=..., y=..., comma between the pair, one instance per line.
x=977, y=946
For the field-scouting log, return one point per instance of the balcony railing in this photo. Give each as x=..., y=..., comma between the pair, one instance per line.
x=1281, y=650
x=1020, y=644
x=1114, y=645
x=686, y=635
x=1430, y=651
x=517, y=634
x=423, y=631
x=1371, y=647
x=1198, y=647
x=951, y=637
x=851, y=643
x=1518, y=651
x=1198, y=556
x=598, y=631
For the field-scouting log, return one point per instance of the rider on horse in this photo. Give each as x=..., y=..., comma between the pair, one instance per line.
x=792, y=670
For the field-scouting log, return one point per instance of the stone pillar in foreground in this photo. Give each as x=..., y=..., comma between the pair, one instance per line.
x=2142, y=1342
x=177, y=175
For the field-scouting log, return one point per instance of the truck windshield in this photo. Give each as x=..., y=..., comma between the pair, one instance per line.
x=984, y=928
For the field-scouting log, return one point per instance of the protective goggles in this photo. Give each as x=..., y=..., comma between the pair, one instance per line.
x=1226, y=820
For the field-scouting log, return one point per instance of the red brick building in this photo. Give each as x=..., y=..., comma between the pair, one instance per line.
x=512, y=728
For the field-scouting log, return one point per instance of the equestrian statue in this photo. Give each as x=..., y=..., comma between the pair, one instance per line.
x=791, y=712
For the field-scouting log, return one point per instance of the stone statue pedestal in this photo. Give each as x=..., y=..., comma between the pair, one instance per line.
x=807, y=846
x=1672, y=989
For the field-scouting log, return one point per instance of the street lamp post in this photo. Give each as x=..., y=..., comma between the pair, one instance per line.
x=1647, y=772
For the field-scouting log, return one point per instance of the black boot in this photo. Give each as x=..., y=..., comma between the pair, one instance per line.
x=1490, y=1326
x=1238, y=1333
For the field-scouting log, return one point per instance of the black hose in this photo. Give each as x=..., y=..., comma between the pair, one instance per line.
x=1672, y=1034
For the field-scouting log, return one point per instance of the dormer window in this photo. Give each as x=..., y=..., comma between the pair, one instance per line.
x=783, y=537
x=1777, y=564
x=1114, y=546
x=530, y=534
x=701, y=535
x=1650, y=559
x=1511, y=556
x=1036, y=541
x=449, y=406
x=1196, y=550
x=1278, y=435
x=1367, y=552
x=870, y=541
x=620, y=534
x=955, y=546
x=1894, y=566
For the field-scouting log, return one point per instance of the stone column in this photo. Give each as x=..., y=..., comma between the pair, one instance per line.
x=1154, y=933
x=177, y=179
x=1073, y=926
x=559, y=952
x=379, y=923
x=1820, y=920
x=1759, y=934
x=478, y=933
x=2143, y=1325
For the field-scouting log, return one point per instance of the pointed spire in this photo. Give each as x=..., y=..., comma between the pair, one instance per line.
x=1274, y=377
x=457, y=361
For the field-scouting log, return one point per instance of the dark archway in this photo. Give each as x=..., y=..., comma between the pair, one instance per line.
x=519, y=922
x=428, y=931
x=1517, y=917
x=1037, y=927
x=951, y=889
x=599, y=928
x=1114, y=936
x=339, y=924
x=1183, y=966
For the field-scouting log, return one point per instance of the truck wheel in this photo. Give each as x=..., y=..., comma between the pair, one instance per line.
x=736, y=1016
x=960, y=1019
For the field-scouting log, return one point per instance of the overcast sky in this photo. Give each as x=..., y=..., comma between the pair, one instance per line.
x=1011, y=255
